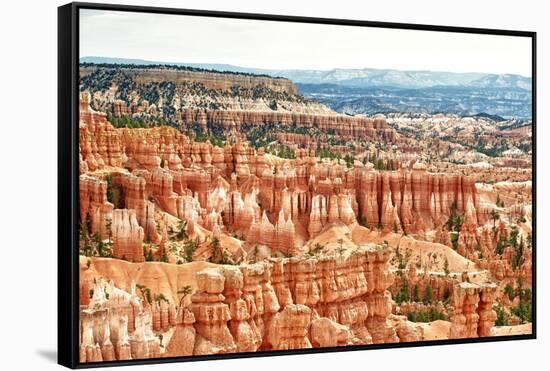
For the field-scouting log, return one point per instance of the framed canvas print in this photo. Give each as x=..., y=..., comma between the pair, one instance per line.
x=237, y=185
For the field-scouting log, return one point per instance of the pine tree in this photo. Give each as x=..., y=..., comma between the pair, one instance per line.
x=108, y=226
x=164, y=257
x=502, y=318
x=216, y=255
x=189, y=248
x=110, y=194
x=182, y=231
x=416, y=293
x=149, y=255
x=380, y=164
x=509, y=291
x=341, y=247
x=184, y=291
x=428, y=295
x=495, y=216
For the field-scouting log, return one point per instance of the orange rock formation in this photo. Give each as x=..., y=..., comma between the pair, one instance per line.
x=275, y=304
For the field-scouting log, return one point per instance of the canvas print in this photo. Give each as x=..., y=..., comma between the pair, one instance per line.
x=252, y=185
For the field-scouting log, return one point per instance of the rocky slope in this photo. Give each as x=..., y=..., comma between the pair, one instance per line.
x=218, y=102
x=305, y=302
x=211, y=186
x=209, y=79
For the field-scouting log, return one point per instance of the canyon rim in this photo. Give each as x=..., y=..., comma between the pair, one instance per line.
x=227, y=209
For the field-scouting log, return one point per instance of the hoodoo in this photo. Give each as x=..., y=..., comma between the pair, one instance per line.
x=224, y=212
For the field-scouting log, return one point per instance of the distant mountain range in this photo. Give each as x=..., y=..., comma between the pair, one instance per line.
x=365, y=77
x=370, y=90
x=462, y=100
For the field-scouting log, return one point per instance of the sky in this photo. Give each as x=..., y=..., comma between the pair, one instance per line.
x=289, y=45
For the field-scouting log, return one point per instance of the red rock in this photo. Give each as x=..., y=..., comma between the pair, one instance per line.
x=327, y=333
x=99, y=142
x=288, y=329
x=473, y=310
x=182, y=342
x=212, y=314
x=127, y=236
x=94, y=205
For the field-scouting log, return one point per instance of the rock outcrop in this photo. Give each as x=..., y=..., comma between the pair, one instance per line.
x=96, y=212
x=117, y=325
x=127, y=236
x=415, y=201
x=99, y=142
x=473, y=310
x=232, y=102
x=209, y=79
x=345, y=126
x=279, y=204
x=286, y=303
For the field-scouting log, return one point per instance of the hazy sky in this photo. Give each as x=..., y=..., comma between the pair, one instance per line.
x=287, y=45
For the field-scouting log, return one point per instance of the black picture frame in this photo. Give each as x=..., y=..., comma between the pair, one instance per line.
x=68, y=187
